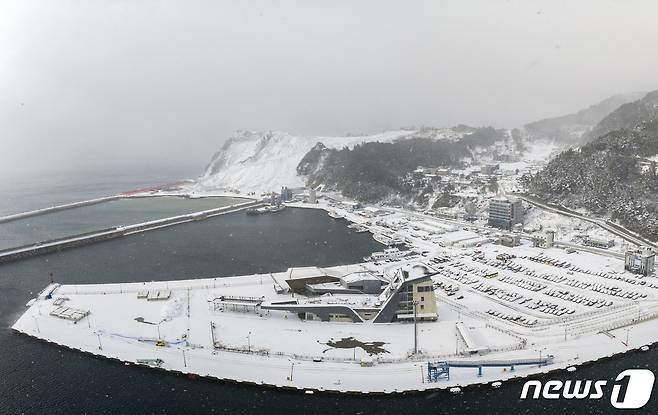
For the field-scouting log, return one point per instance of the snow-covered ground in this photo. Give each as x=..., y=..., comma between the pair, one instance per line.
x=576, y=307
x=566, y=228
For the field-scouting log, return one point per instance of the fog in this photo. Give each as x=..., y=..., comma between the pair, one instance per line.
x=112, y=85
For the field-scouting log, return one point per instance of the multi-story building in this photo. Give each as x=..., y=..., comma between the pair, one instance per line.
x=406, y=298
x=505, y=213
x=415, y=293
x=640, y=261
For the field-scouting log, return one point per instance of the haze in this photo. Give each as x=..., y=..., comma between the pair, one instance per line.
x=119, y=84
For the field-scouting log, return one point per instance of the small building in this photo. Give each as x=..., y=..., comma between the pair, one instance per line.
x=546, y=241
x=640, y=261
x=489, y=168
x=598, y=242
x=286, y=194
x=510, y=240
x=505, y=213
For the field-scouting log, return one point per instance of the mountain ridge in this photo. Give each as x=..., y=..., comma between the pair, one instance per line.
x=574, y=127
x=614, y=174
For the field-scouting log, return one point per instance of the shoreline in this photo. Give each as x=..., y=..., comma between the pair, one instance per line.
x=259, y=385
x=276, y=366
x=280, y=367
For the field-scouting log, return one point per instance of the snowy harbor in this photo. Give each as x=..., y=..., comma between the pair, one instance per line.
x=448, y=308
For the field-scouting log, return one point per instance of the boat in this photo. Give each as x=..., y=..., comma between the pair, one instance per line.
x=496, y=385
x=265, y=209
x=335, y=215
x=456, y=390
x=571, y=369
x=275, y=209
x=381, y=238
x=386, y=255
x=644, y=348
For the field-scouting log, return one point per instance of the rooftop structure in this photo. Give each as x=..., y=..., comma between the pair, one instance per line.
x=363, y=282
x=296, y=279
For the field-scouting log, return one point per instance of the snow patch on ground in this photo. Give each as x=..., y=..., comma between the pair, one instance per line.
x=537, y=152
x=172, y=308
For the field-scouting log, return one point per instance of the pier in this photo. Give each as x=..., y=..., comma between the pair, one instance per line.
x=72, y=241
x=53, y=209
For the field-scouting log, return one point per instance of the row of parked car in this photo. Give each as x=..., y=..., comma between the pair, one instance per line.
x=450, y=289
x=498, y=292
x=543, y=259
x=578, y=298
x=549, y=308
x=524, y=321
x=523, y=283
x=456, y=275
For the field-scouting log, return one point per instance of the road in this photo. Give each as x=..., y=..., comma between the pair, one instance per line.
x=605, y=224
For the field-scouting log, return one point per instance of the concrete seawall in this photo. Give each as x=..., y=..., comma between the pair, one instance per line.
x=55, y=245
x=52, y=209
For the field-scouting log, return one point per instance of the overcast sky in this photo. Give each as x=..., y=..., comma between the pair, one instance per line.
x=108, y=84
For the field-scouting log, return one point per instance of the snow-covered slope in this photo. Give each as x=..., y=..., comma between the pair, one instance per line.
x=266, y=161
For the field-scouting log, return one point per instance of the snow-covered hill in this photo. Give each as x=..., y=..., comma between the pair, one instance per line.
x=266, y=161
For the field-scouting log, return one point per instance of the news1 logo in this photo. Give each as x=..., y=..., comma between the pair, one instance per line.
x=631, y=390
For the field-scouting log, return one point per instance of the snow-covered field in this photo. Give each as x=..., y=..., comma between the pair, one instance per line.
x=565, y=227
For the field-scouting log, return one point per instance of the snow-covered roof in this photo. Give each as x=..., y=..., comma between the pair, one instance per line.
x=360, y=276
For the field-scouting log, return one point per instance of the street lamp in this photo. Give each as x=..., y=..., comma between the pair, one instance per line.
x=415, y=303
x=37, y=323
x=249, y=342
x=292, y=366
x=540, y=350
